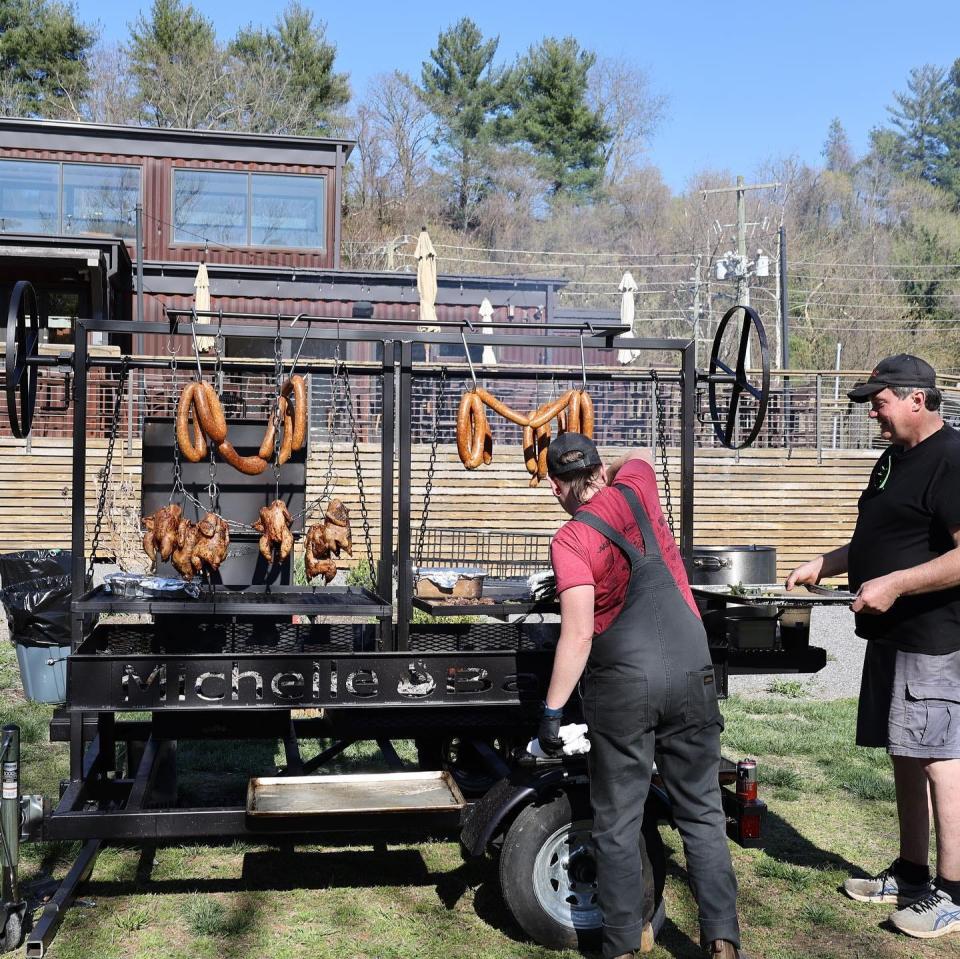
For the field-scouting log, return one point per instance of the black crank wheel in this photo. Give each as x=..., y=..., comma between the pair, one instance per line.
x=722, y=374
x=22, y=344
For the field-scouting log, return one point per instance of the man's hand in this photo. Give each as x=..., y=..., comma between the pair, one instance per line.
x=877, y=595
x=549, y=734
x=806, y=575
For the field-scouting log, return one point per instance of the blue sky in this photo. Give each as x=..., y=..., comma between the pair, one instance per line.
x=745, y=82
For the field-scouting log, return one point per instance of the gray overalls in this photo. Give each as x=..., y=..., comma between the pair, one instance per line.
x=650, y=693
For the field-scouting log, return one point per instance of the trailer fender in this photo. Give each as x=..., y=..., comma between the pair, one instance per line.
x=490, y=815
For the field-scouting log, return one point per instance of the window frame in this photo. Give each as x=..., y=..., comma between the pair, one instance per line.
x=199, y=243
x=60, y=197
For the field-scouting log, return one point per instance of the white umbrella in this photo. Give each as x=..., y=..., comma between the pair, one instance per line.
x=628, y=286
x=201, y=303
x=486, y=317
x=427, y=282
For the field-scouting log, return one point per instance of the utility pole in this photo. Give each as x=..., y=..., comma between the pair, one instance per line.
x=743, y=286
x=742, y=265
x=696, y=304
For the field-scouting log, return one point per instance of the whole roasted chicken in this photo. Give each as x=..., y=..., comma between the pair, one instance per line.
x=200, y=545
x=161, y=532
x=274, y=527
x=326, y=539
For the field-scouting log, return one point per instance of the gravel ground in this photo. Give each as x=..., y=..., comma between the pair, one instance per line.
x=831, y=628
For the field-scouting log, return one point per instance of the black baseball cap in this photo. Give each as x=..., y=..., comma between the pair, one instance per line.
x=589, y=457
x=900, y=370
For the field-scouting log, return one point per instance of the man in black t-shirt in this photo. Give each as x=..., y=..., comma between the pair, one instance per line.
x=903, y=561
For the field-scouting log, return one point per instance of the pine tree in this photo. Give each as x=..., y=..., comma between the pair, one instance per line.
x=297, y=61
x=177, y=67
x=462, y=90
x=43, y=58
x=836, y=149
x=552, y=117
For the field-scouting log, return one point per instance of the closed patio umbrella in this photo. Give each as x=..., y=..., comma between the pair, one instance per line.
x=427, y=282
x=201, y=303
x=486, y=317
x=628, y=286
x=427, y=286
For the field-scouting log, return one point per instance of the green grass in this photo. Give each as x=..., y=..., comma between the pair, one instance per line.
x=830, y=814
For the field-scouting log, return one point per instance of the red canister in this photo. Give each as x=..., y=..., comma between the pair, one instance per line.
x=747, y=779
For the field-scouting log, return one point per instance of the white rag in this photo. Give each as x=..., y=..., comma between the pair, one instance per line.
x=574, y=739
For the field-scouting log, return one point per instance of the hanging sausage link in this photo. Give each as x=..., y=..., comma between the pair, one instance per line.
x=201, y=401
x=573, y=411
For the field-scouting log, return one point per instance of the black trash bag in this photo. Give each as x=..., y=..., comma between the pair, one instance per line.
x=30, y=564
x=38, y=611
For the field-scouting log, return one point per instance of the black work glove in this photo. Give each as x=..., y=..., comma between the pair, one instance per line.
x=549, y=734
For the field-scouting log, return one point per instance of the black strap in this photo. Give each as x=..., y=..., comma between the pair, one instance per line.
x=605, y=529
x=650, y=542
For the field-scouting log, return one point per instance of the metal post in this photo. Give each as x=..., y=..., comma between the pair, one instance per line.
x=687, y=427
x=404, y=571
x=385, y=572
x=836, y=397
x=784, y=300
x=817, y=420
x=743, y=288
x=10, y=813
x=139, y=267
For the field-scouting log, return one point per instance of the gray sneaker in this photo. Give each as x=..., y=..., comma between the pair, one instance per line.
x=936, y=914
x=886, y=887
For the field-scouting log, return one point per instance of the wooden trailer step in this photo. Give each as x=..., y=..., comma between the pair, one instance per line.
x=431, y=791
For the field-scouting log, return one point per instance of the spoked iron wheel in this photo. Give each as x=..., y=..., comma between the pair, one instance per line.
x=24, y=324
x=729, y=378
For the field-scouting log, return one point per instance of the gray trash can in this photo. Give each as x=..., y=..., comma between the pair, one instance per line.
x=35, y=588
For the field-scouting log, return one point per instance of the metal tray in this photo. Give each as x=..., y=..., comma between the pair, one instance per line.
x=432, y=791
x=774, y=594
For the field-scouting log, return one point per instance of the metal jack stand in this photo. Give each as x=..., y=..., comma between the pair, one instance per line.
x=14, y=909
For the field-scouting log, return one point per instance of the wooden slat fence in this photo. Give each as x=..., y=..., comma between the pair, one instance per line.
x=798, y=502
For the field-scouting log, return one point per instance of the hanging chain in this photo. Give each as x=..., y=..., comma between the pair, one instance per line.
x=431, y=467
x=108, y=462
x=218, y=348
x=277, y=414
x=356, y=461
x=662, y=443
x=177, y=488
x=213, y=491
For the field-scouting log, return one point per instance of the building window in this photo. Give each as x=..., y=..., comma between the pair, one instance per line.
x=287, y=211
x=249, y=209
x=100, y=199
x=210, y=205
x=29, y=197
x=38, y=196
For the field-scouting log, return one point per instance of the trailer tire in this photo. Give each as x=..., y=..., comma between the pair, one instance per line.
x=12, y=934
x=548, y=877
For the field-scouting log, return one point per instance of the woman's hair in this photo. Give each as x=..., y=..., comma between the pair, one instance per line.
x=580, y=481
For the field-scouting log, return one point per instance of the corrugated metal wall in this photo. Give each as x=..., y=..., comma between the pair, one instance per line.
x=158, y=207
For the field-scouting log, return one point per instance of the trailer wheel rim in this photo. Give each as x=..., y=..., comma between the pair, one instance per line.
x=564, y=877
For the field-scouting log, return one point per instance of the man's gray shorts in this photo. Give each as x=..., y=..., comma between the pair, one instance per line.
x=910, y=703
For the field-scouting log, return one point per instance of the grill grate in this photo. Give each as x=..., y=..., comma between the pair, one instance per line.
x=193, y=637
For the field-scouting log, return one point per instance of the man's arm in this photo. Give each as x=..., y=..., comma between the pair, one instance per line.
x=573, y=648
x=829, y=564
x=614, y=466
x=878, y=595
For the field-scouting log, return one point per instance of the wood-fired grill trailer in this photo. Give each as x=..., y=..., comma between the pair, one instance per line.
x=257, y=656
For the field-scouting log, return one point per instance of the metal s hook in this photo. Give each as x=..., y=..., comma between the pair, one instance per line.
x=196, y=345
x=303, y=339
x=466, y=351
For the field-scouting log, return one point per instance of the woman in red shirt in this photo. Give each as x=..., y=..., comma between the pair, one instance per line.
x=630, y=626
